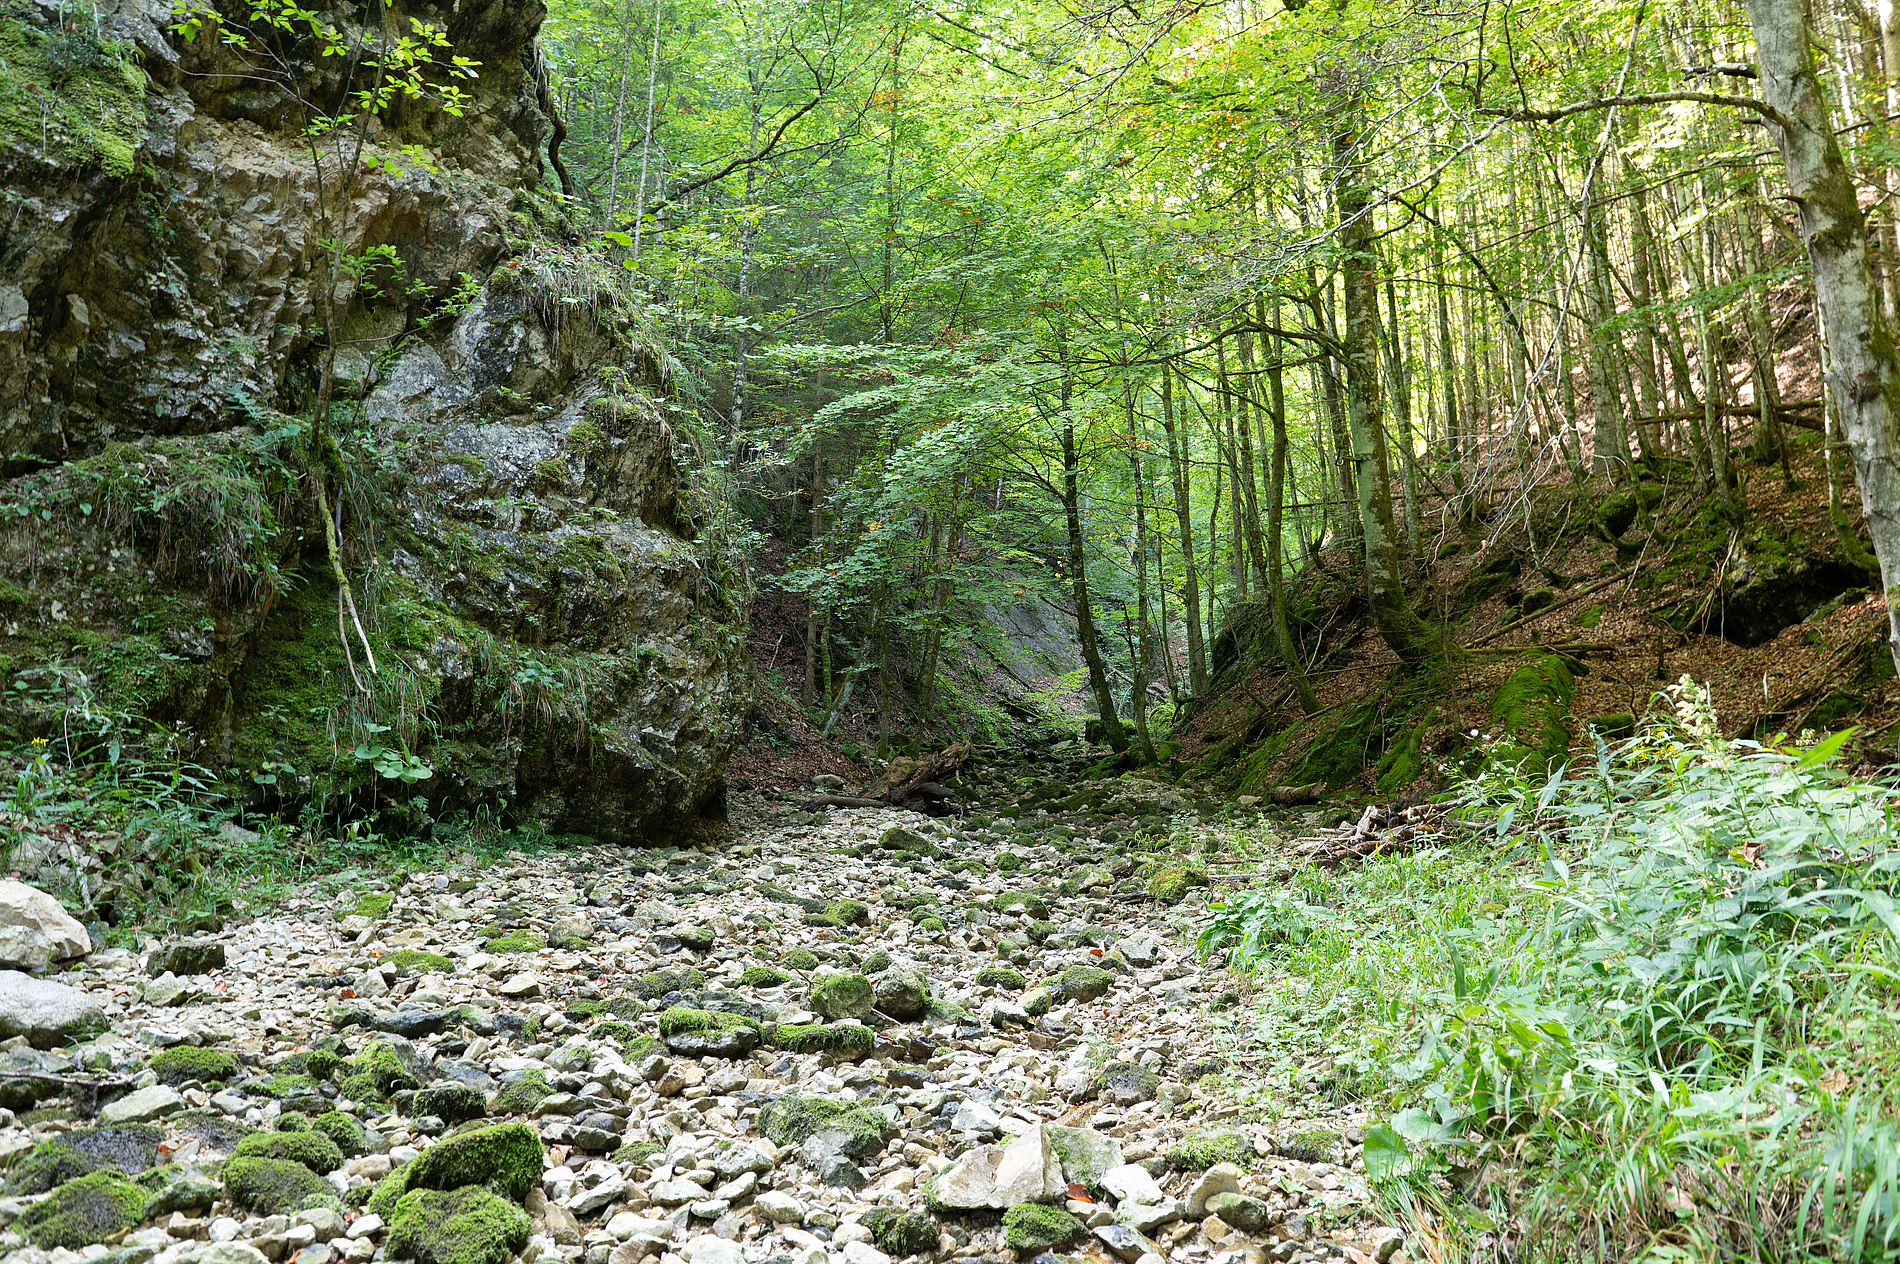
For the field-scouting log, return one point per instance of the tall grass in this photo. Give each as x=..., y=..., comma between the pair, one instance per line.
x=1646, y=1008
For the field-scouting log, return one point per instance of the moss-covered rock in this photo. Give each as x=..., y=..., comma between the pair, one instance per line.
x=1312, y=1145
x=1034, y=1228
x=313, y=1149
x=416, y=961
x=840, y=913
x=273, y=1187
x=388, y=1192
x=1126, y=1083
x=1205, y=1147
x=84, y=1211
x=932, y=924
x=505, y=1158
x=1170, y=884
x=659, y=983
x=372, y=904
x=455, y=1103
x=803, y=960
x=1010, y=903
x=345, y=1131
x=128, y=1149
x=517, y=941
x=1001, y=977
x=791, y=1120
x=900, y=1233
x=460, y=1226
x=1084, y=983
x=763, y=977
x=1532, y=710
x=680, y=1020
x=183, y=1063
x=840, y=995
x=853, y=1039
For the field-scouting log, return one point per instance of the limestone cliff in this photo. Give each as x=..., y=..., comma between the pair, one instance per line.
x=510, y=492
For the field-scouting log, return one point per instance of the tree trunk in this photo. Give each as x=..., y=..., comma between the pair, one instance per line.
x=1143, y=647
x=1863, y=371
x=1404, y=632
x=1191, y=596
x=1079, y=582
x=1276, y=499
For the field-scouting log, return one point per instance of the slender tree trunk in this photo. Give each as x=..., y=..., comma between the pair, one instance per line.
x=1863, y=372
x=1276, y=500
x=1144, y=646
x=1112, y=731
x=1404, y=632
x=1190, y=589
x=1401, y=386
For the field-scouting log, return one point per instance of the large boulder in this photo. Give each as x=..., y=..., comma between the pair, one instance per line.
x=48, y=1014
x=35, y=931
x=1027, y=1170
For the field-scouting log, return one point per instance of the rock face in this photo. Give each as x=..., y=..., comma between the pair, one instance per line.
x=48, y=1014
x=508, y=499
x=35, y=931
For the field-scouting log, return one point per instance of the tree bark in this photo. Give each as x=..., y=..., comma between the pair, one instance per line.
x=1863, y=372
x=1191, y=596
x=1112, y=730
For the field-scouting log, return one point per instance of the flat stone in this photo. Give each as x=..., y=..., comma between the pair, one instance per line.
x=522, y=986
x=1128, y=1244
x=1147, y=1217
x=780, y=1207
x=1024, y=1171
x=142, y=1106
x=1249, y=1215
x=711, y=1249
x=864, y=1253
x=1131, y=1183
x=1222, y=1178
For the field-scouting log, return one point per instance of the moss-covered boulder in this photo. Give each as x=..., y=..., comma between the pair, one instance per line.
x=417, y=961
x=454, y=1103
x=803, y=960
x=1033, y=1228
x=900, y=1233
x=311, y=1148
x=1126, y=1083
x=710, y=1033
x=1205, y=1147
x=517, y=941
x=1084, y=983
x=128, y=1149
x=1170, y=884
x=763, y=977
x=840, y=913
x=522, y=1094
x=273, y=1187
x=659, y=983
x=848, y=1039
x=344, y=1131
x=841, y=995
x=468, y=1225
x=506, y=1158
x=793, y=1120
x=388, y=1192
x=1012, y=903
x=184, y=1063
x=1312, y=1145
x=84, y=1211
x=1532, y=712
x=1006, y=977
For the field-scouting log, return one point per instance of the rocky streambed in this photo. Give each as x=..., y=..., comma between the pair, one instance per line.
x=840, y=1039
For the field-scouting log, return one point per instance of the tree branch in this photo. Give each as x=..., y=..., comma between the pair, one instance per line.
x=1561, y=112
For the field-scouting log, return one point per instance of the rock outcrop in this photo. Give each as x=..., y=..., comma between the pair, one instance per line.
x=547, y=629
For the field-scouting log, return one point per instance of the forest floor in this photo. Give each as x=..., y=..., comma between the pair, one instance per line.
x=1021, y=986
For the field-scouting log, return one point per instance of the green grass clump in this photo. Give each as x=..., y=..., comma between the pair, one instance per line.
x=373, y=904
x=182, y=1063
x=1001, y=977
x=763, y=977
x=516, y=941
x=824, y=1038
x=84, y=1211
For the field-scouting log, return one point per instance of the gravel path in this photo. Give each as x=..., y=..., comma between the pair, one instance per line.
x=832, y=1040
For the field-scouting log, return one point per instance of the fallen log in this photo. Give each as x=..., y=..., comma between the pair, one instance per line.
x=1297, y=796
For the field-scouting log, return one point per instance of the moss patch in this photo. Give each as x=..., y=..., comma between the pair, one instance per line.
x=792, y=1120
x=460, y=1226
x=1532, y=709
x=344, y=1131
x=83, y=1211
x=764, y=977
x=183, y=1063
x=1171, y=883
x=416, y=961
x=372, y=904
x=1205, y=1147
x=803, y=960
x=824, y=1038
x=313, y=1149
x=840, y=996
x=516, y=941
x=1001, y=977
x=272, y=1187
x=129, y=1149
x=1034, y=1228
x=506, y=1158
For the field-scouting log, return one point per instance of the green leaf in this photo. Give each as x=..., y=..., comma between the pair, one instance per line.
x=1386, y=1153
x=1827, y=748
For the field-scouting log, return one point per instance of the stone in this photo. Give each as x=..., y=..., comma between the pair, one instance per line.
x=188, y=1190
x=825, y=1155
x=186, y=957
x=521, y=986
x=35, y=930
x=1146, y=1217
x=1383, y=1242
x=367, y=1225
x=48, y=1014
x=142, y=1106
x=780, y=1207
x=168, y=991
x=1086, y=1155
x=1249, y=1215
x=902, y=992
x=1127, y=1244
x=678, y=1192
x=1131, y=1183
x=975, y=1117
x=1126, y=1084
x=864, y=1253
x=613, y=1189
x=325, y=1221
x=712, y=1249
x=458, y=1226
x=1222, y=1178
x=1024, y=1171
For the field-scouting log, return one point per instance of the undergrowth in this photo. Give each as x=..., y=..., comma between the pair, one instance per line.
x=1643, y=1008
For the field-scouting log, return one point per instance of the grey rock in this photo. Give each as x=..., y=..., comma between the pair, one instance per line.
x=142, y=1106
x=825, y=1155
x=1024, y=1171
x=188, y=1190
x=1249, y=1215
x=1222, y=1178
x=35, y=930
x=902, y=992
x=186, y=957
x=1127, y=1243
x=1086, y=1155
x=48, y=1014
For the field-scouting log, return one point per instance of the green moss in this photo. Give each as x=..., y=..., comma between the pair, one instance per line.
x=344, y=1131
x=372, y=904
x=460, y=1226
x=1011, y=902
x=792, y=1120
x=68, y=95
x=803, y=960
x=181, y=1063
x=651, y=987
x=504, y=1157
x=1084, y=983
x=1171, y=883
x=1205, y=1147
x=678, y=1019
x=840, y=913
x=1006, y=862
x=516, y=941
x=1311, y=1145
x=84, y=1211
x=273, y=1187
x=824, y=1038
x=312, y=1149
x=1001, y=977
x=1338, y=756
x=1034, y=1228
x=932, y=924
x=763, y=977
x=385, y=1068
x=840, y=995
x=416, y=961
x=321, y=1064
x=900, y=1233
x=518, y=1097
x=1403, y=760
x=1040, y=932
x=637, y=1153
x=388, y=1192
x=129, y=1148
x=1532, y=710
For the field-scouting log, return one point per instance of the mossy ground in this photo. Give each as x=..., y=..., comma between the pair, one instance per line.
x=70, y=97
